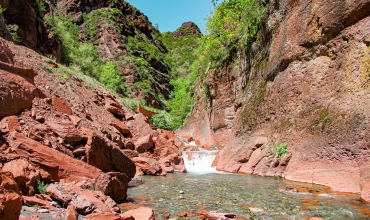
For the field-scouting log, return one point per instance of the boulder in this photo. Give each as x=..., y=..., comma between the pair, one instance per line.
x=9, y=124
x=144, y=143
x=62, y=106
x=171, y=136
x=130, y=153
x=139, y=126
x=148, y=166
x=25, y=174
x=107, y=216
x=85, y=201
x=10, y=199
x=124, y=129
x=71, y=213
x=129, y=145
x=17, y=92
x=113, y=106
x=32, y=201
x=105, y=156
x=112, y=184
x=103, y=216
x=39, y=131
x=63, y=127
x=57, y=164
x=141, y=213
x=169, y=153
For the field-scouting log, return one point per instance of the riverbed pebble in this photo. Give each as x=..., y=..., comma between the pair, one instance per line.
x=43, y=211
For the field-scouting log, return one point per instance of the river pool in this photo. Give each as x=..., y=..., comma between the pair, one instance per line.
x=247, y=196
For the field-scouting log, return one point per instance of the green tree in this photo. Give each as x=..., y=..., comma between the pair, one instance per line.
x=110, y=77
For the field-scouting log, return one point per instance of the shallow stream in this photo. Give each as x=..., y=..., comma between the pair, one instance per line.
x=246, y=196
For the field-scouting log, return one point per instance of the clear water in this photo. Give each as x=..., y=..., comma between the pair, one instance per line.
x=246, y=196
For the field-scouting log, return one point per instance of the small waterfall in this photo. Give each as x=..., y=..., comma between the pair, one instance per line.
x=199, y=161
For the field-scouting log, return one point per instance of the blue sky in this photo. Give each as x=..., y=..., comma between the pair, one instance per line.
x=170, y=14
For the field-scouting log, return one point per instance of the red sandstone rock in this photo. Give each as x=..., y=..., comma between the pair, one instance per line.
x=124, y=129
x=10, y=199
x=365, y=179
x=139, y=126
x=141, y=213
x=186, y=29
x=113, y=106
x=148, y=165
x=9, y=124
x=85, y=201
x=169, y=152
x=103, y=216
x=31, y=201
x=62, y=106
x=129, y=145
x=71, y=213
x=39, y=131
x=44, y=197
x=218, y=215
x=112, y=184
x=283, y=100
x=64, y=128
x=130, y=153
x=103, y=155
x=57, y=164
x=15, y=89
x=29, y=218
x=75, y=120
x=144, y=143
x=25, y=174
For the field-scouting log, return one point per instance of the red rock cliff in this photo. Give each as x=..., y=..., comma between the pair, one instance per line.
x=306, y=83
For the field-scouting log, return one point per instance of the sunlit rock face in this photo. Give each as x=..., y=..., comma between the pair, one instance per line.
x=304, y=82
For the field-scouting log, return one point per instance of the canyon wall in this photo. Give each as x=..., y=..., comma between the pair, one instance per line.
x=303, y=84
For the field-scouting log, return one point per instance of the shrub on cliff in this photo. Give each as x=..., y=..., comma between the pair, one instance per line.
x=84, y=55
x=110, y=78
x=233, y=24
x=280, y=149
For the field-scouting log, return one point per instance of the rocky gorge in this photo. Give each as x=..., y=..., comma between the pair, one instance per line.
x=59, y=128
x=293, y=106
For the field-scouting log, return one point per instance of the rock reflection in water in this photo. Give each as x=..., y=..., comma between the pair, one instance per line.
x=247, y=196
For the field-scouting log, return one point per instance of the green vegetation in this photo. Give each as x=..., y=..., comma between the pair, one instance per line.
x=41, y=187
x=182, y=52
x=232, y=26
x=182, y=59
x=96, y=17
x=110, y=78
x=280, y=150
x=2, y=10
x=84, y=55
x=323, y=120
x=13, y=29
x=41, y=8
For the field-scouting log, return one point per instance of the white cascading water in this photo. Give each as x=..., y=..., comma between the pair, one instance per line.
x=199, y=161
